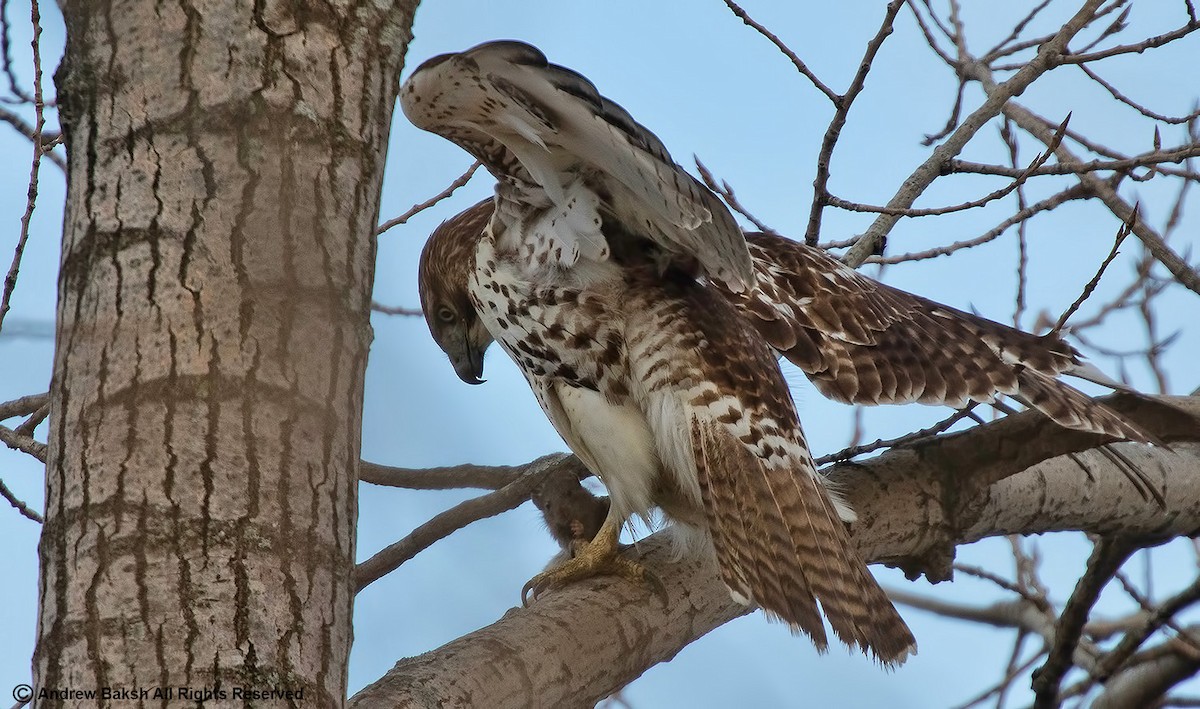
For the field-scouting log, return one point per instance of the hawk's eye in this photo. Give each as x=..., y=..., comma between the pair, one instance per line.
x=446, y=315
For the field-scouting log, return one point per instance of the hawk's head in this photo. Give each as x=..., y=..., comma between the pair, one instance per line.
x=447, y=262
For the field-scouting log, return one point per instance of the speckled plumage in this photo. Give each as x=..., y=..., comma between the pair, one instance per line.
x=647, y=325
x=591, y=275
x=675, y=402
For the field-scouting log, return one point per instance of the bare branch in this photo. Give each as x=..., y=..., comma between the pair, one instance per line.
x=1047, y=57
x=23, y=443
x=455, y=518
x=821, y=181
x=10, y=280
x=393, y=309
x=1107, y=557
x=19, y=505
x=787, y=52
x=1119, y=655
x=35, y=419
x=24, y=406
x=1145, y=683
x=418, y=208
x=485, y=477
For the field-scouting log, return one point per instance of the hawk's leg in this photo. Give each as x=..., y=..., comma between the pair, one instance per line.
x=599, y=557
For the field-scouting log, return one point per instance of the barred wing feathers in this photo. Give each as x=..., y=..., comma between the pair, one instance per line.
x=544, y=130
x=863, y=342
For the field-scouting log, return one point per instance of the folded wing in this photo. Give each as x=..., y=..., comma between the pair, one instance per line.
x=544, y=131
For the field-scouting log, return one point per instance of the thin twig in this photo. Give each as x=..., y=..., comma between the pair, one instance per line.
x=418, y=208
x=1008, y=135
x=1112, y=90
x=999, y=48
x=829, y=141
x=10, y=280
x=19, y=505
x=940, y=426
x=1091, y=285
x=1070, y=194
x=726, y=193
x=999, y=689
x=787, y=52
x=14, y=85
x=1158, y=157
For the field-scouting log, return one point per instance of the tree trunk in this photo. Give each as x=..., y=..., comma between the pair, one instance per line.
x=225, y=163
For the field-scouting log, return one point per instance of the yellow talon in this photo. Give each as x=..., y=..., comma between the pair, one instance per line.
x=599, y=557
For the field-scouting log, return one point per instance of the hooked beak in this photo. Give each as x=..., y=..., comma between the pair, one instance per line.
x=468, y=362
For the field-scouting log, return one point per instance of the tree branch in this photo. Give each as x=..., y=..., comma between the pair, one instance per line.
x=1180, y=269
x=1108, y=556
x=1141, y=685
x=457, y=517
x=1048, y=56
x=915, y=505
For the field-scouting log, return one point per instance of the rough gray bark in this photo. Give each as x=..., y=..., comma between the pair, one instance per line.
x=915, y=505
x=225, y=162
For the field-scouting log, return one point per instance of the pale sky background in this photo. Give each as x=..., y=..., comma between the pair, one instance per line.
x=709, y=86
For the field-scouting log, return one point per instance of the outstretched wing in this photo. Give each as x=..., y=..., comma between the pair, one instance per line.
x=545, y=132
x=863, y=342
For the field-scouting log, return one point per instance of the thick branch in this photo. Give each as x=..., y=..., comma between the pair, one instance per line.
x=1143, y=684
x=576, y=646
x=1107, y=558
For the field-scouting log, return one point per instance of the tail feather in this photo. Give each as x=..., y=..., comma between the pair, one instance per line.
x=795, y=551
x=739, y=537
x=1071, y=408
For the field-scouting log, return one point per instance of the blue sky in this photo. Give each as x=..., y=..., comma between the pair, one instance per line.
x=709, y=86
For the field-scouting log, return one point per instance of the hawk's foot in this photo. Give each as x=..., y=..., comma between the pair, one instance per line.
x=599, y=557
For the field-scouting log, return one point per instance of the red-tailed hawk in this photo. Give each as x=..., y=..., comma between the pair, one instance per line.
x=647, y=324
